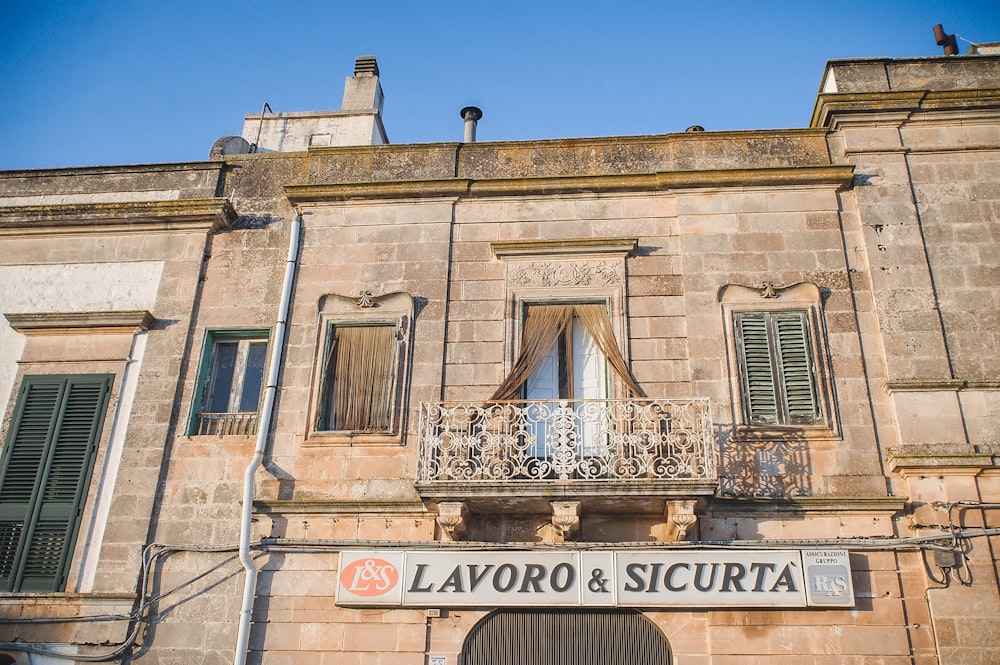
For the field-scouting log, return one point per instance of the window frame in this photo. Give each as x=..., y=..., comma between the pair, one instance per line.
x=774, y=356
x=40, y=505
x=806, y=299
x=519, y=298
x=395, y=309
x=325, y=396
x=206, y=374
x=565, y=349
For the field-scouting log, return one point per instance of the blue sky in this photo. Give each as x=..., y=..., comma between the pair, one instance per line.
x=116, y=82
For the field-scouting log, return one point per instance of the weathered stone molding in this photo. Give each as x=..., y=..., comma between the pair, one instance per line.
x=808, y=505
x=337, y=508
x=930, y=385
x=943, y=459
x=574, y=246
x=834, y=176
x=868, y=107
x=181, y=215
x=73, y=323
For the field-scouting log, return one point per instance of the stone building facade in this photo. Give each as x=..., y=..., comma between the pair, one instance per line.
x=703, y=397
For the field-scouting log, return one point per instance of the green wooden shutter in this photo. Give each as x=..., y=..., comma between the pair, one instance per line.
x=44, y=478
x=777, y=372
x=760, y=400
x=796, y=367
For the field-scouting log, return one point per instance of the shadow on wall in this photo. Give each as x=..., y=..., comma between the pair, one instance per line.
x=262, y=618
x=763, y=463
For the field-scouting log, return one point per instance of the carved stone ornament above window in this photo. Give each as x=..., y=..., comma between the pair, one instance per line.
x=366, y=305
x=566, y=273
x=806, y=292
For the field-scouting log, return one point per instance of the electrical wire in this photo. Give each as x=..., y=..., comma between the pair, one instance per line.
x=950, y=539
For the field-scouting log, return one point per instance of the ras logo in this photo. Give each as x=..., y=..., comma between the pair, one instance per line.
x=369, y=577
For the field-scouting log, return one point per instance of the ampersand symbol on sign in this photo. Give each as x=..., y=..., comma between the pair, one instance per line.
x=598, y=583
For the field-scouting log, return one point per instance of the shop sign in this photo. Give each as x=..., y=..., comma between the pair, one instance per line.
x=600, y=578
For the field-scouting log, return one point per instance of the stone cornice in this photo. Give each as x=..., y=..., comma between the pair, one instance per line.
x=927, y=385
x=943, y=459
x=115, y=169
x=72, y=323
x=549, y=248
x=835, y=176
x=336, y=507
x=179, y=215
x=808, y=505
x=878, y=104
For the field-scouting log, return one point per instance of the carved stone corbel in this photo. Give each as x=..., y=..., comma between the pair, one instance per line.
x=453, y=518
x=566, y=518
x=680, y=517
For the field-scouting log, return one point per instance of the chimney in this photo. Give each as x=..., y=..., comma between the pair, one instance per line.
x=362, y=92
x=471, y=115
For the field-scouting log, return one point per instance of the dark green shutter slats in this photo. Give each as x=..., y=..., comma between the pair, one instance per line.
x=796, y=367
x=777, y=370
x=48, y=459
x=31, y=426
x=759, y=382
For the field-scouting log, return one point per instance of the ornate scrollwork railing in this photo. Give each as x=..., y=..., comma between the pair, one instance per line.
x=223, y=424
x=566, y=440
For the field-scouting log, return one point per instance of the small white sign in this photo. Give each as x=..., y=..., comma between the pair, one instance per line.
x=828, y=578
x=438, y=660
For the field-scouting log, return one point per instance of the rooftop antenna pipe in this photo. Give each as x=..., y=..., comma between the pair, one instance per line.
x=266, y=107
x=947, y=41
x=471, y=115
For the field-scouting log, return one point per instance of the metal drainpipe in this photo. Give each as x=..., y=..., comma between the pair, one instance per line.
x=250, y=584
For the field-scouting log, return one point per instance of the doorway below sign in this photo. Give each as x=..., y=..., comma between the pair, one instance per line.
x=564, y=637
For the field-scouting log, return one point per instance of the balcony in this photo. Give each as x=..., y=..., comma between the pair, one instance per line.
x=614, y=451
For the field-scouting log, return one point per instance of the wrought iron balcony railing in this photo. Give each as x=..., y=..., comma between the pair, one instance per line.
x=224, y=424
x=570, y=441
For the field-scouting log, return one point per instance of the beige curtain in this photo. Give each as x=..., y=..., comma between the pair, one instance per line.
x=594, y=318
x=543, y=325
x=360, y=375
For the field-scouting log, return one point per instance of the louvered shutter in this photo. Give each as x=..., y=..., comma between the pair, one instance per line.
x=795, y=366
x=760, y=400
x=776, y=367
x=44, y=478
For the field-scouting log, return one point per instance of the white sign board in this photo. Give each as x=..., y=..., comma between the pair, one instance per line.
x=603, y=578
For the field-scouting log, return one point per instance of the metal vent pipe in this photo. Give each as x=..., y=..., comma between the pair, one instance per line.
x=471, y=115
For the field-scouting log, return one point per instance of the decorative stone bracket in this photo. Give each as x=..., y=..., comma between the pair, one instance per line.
x=680, y=518
x=453, y=518
x=566, y=518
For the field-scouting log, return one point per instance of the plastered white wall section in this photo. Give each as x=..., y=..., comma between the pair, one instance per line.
x=77, y=287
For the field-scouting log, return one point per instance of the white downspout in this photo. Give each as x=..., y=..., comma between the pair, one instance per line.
x=250, y=584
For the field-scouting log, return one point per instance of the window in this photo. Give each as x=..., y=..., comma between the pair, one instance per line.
x=44, y=475
x=574, y=367
x=230, y=382
x=565, y=352
x=360, y=366
x=777, y=374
